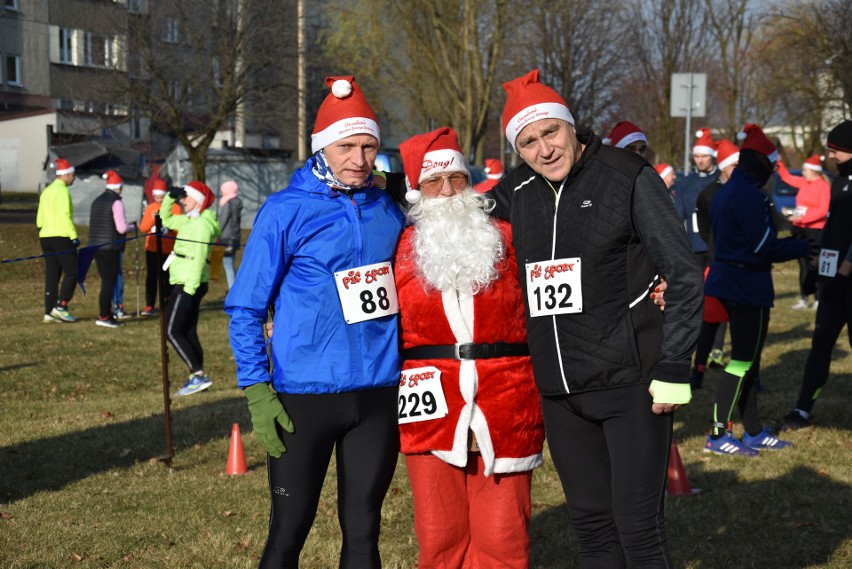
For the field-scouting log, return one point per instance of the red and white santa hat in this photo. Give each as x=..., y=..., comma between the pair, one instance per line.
x=158, y=187
x=625, y=133
x=201, y=193
x=493, y=169
x=63, y=167
x=814, y=163
x=113, y=180
x=528, y=100
x=344, y=112
x=727, y=153
x=704, y=144
x=754, y=139
x=425, y=155
x=663, y=169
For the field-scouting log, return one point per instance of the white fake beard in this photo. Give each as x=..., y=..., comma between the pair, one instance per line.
x=456, y=245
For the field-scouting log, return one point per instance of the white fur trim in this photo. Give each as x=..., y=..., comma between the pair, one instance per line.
x=703, y=150
x=113, y=186
x=494, y=176
x=630, y=138
x=814, y=167
x=735, y=157
x=522, y=464
x=535, y=113
x=342, y=129
x=194, y=194
x=666, y=172
x=159, y=192
x=440, y=161
x=65, y=171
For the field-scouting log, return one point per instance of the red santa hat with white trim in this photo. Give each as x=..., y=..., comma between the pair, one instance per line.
x=814, y=163
x=344, y=112
x=201, y=193
x=529, y=100
x=158, y=187
x=727, y=153
x=754, y=139
x=493, y=169
x=113, y=180
x=663, y=169
x=704, y=144
x=425, y=155
x=63, y=167
x=624, y=133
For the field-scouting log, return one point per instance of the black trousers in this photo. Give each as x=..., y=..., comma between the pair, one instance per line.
x=62, y=266
x=805, y=288
x=153, y=268
x=834, y=312
x=182, y=325
x=736, y=387
x=108, y=264
x=360, y=427
x=611, y=453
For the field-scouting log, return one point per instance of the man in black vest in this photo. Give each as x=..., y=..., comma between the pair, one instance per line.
x=593, y=230
x=107, y=227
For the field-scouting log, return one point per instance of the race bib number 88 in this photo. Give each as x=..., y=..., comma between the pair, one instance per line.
x=367, y=292
x=553, y=287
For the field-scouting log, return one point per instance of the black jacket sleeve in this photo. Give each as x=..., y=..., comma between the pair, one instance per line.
x=665, y=242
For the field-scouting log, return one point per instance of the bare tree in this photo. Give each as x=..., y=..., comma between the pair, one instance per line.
x=196, y=66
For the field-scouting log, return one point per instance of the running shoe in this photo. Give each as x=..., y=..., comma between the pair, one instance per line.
x=120, y=314
x=800, y=304
x=61, y=313
x=194, y=384
x=150, y=311
x=765, y=441
x=108, y=322
x=50, y=318
x=728, y=445
x=716, y=357
x=795, y=421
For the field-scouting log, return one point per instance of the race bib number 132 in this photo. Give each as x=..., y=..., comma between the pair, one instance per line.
x=367, y=292
x=553, y=287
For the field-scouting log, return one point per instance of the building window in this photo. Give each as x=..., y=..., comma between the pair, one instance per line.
x=10, y=4
x=100, y=50
x=66, y=41
x=13, y=70
x=170, y=30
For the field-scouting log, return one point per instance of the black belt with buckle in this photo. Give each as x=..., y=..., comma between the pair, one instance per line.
x=466, y=351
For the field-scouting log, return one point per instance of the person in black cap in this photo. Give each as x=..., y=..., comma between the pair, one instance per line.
x=834, y=266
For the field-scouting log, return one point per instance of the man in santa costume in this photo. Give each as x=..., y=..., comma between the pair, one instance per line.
x=470, y=418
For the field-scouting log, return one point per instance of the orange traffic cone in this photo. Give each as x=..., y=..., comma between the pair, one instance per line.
x=236, y=455
x=678, y=484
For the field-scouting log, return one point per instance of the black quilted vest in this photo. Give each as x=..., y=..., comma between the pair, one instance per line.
x=608, y=344
x=102, y=225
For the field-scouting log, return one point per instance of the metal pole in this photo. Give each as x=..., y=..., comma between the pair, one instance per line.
x=136, y=246
x=688, y=128
x=164, y=350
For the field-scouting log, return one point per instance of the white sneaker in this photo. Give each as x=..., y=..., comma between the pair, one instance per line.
x=816, y=305
x=801, y=304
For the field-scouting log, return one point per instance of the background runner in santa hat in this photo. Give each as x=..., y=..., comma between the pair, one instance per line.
x=808, y=218
x=711, y=340
x=667, y=173
x=153, y=267
x=628, y=136
x=333, y=389
x=188, y=274
x=471, y=468
x=493, y=174
x=58, y=239
x=687, y=189
x=746, y=244
x=107, y=229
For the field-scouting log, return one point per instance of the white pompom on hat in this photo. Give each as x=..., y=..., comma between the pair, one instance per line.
x=344, y=112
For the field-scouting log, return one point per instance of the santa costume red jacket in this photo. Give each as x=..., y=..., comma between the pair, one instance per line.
x=495, y=398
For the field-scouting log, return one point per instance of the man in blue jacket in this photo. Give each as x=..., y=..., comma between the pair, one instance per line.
x=686, y=190
x=319, y=259
x=745, y=244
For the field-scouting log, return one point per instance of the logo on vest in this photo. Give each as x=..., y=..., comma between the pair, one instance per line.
x=586, y=203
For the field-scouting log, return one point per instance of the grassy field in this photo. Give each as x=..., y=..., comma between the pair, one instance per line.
x=82, y=428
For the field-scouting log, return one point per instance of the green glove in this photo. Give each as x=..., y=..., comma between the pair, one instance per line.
x=265, y=409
